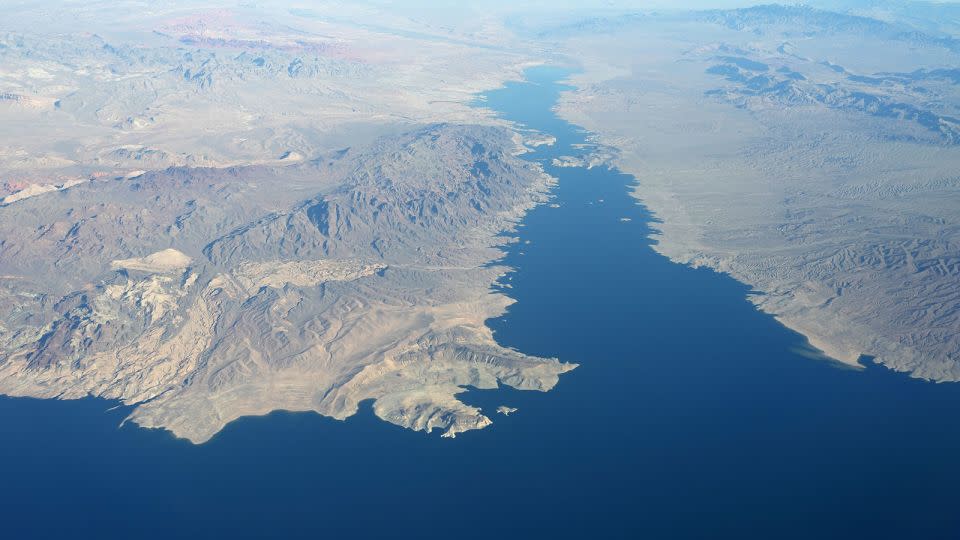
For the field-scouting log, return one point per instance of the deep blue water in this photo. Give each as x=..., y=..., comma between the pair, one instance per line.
x=691, y=416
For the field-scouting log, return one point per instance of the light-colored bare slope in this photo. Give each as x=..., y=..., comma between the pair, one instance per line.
x=213, y=209
x=207, y=295
x=101, y=89
x=787, y=163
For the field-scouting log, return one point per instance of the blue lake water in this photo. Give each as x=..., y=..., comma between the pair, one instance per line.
x=691, y=416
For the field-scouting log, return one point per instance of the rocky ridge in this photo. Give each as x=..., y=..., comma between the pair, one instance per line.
x=203, y=295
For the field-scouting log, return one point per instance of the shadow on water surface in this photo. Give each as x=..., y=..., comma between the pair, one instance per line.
x=691, y=415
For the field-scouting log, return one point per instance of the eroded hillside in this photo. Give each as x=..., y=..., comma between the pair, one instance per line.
x=206, y=295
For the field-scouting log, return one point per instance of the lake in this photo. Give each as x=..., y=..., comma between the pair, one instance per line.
x=691, y=415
